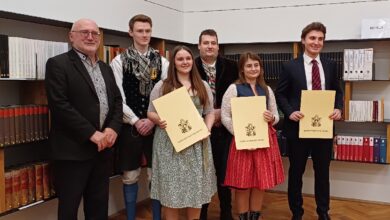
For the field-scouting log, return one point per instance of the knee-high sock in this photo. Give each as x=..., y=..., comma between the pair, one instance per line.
x=156, y=209
x=130, y=193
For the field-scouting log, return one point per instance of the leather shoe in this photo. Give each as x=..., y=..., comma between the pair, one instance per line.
x=296, y=217
x=323, y=216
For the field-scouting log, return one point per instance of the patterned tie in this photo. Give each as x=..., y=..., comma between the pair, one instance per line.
x=315, y=76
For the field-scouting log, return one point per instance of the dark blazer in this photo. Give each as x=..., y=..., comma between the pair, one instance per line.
x=74, y=106
x=227, y=73
x=292, y=81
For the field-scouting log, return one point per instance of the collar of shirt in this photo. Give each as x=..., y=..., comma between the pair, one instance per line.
x=146, y=54
x=308, y=59
x=85, y=57
x=209, y=65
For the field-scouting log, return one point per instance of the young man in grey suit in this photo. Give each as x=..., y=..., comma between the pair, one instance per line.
x=86, y=115
x=308, y=72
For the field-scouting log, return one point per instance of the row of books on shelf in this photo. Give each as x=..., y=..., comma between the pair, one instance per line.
x=367, y=149
x=28, y=184
x=358, y=64
x=23, y=58
x=337, y=57
x=366, y=111
x=110, y=52
x=23, y=123
x=272, y=62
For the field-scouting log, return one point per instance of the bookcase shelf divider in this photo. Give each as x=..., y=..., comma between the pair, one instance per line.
x=347, y=98
x=295, y=50
x=100, y=51
x=2, y=181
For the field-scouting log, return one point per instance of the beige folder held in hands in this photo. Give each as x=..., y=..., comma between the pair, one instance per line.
x=185, y=126
x=250, y=128
x=316, y=106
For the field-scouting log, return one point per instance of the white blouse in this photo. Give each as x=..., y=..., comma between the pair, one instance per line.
x=226, y=111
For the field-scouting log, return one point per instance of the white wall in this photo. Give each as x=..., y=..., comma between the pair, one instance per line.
x=277, y=20
x=115, y=15
x=349, y=180
x=235, y=21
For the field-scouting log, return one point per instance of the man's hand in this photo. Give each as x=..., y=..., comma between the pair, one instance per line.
x=111, y=136
x=296, y=116
x=144, y=126
x=336, y=114
x=217, y=117
x=99, y=139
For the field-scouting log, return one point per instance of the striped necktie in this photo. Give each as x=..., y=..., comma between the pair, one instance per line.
x=315, y=76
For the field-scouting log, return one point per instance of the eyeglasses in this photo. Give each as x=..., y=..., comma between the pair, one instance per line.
x=85, y=33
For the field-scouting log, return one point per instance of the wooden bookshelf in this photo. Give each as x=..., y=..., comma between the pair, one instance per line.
x=347, y=98
x=2, y=182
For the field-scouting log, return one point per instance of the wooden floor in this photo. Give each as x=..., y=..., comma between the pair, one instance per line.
x=276, y=208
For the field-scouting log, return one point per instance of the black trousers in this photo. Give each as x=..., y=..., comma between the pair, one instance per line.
x=321, y=154
x=87, y=179
x=131, y=146
x=220, y=143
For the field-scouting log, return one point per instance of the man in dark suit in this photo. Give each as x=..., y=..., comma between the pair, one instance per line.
x=219, y=72
x=86, y=116
x=308, y=72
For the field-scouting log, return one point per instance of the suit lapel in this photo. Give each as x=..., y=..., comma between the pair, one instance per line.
x=74, y=57
x=105, y=78
x=219, y=70
x=301, y=71
x=325, y=67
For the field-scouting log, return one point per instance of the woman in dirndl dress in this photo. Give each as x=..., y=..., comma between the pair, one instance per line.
x=250, y=172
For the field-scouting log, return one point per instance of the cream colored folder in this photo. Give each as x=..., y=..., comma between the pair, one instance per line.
x=250, y=128
x=316, y=106
x=185, y=126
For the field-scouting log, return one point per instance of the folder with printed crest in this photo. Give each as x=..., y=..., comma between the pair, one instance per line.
x=316, y=106
x=185, y=126
x=250, y=128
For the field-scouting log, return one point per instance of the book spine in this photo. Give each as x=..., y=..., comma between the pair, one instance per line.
x=12, y=125
x=36, y=122
x=40, y=122
x=46, y=180
x=4, y=59
x=382, y=149
x=31, y=122
x=38, y=182
x=22, y=122
x=15, y=189
x=27, y=128
x=23, y=186
x=17, y=124
x=31, y=183
x=8, y=190
x=2, y=129
x=6, y=127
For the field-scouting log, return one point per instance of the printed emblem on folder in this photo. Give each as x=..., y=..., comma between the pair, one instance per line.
x=316, y=106
x=185, y=126
x=250, y=130
x=316, y=121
